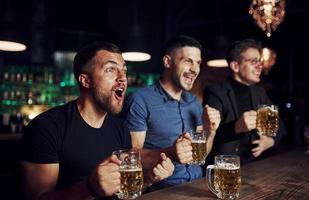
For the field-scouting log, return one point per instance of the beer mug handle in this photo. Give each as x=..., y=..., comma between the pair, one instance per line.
x=210, y=180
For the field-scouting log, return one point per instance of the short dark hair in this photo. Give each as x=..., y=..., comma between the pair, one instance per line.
x=180, y=42
x=237, y=48
x=85, y=55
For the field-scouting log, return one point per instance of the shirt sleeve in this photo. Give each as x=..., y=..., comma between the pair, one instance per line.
x=40, y=140
x=135, y=113
x=199, y=120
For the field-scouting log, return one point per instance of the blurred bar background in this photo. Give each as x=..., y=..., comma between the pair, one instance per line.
x=41, y=76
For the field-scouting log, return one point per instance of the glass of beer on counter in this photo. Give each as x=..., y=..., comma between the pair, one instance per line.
x=199, y=148
x=267, y=122
x=131, y=173
x=226, y=180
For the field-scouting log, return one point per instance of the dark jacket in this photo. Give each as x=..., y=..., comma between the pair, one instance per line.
x=222, y=97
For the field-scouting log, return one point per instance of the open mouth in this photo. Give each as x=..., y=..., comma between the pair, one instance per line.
x=188, y=80
x=189, y=77
x=119, y=93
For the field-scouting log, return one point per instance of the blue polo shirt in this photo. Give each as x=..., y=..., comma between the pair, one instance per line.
x=164, y=119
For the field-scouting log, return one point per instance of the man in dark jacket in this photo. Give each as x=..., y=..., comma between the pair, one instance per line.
x=237, y=100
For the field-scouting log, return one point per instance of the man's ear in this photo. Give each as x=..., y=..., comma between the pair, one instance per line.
x=234, y=66
x=84, y=80
x=167, y=60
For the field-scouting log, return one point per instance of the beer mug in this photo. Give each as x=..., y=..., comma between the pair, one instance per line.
x=131, y=173
x=226, y=181
x=267, y=122
x=199, y=148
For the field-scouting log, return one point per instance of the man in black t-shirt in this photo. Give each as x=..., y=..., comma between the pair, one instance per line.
x=66, y=150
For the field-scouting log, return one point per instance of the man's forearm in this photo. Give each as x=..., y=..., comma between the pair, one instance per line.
x=210, y=141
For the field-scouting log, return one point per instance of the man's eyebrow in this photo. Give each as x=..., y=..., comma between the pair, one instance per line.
x=110, y=61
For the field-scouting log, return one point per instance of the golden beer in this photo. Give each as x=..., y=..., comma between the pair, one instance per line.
x=131, y=183
x=199, y=151
x=227, y=181
x=131, y=173
x=267, y=121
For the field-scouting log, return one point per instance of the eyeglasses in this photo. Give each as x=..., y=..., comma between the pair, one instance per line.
x=253, y=61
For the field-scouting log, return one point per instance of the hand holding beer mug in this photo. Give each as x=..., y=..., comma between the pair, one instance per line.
x=199, y=148
x=226, y=182
x=267, y=122
x=131, y=173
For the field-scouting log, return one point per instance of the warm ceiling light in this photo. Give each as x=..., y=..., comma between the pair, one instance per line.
x=136, y=48
x=268, y=14
x=11, y=46
x=135, y=56
x=269, y=57
x=217, y=52
x=11, y=38
x=217, y=63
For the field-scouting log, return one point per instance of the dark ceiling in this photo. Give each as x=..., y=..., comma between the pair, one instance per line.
x=68, y=25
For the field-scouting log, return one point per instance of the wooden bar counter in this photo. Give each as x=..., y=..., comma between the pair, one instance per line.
x=284, y=176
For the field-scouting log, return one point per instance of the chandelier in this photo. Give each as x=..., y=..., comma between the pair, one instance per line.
x=268, y=14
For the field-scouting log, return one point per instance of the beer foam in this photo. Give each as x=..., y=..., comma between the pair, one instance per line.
x=271, y=108
x=229, y=166
x=130, y=169
x=198, y=141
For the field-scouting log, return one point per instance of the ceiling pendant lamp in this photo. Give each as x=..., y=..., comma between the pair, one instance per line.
x=6, y=45
x=10, y=38
x=217, y=54
x=268, y=14
x=136, y=49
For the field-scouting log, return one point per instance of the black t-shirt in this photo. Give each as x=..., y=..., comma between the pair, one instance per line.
x=243, y=96
x=60, y=135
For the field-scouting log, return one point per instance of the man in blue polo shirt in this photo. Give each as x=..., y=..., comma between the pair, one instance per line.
x=159, y=116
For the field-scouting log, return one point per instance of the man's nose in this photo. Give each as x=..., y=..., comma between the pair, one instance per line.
x=259, y=65
x=122, y=76
x=195, y=68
